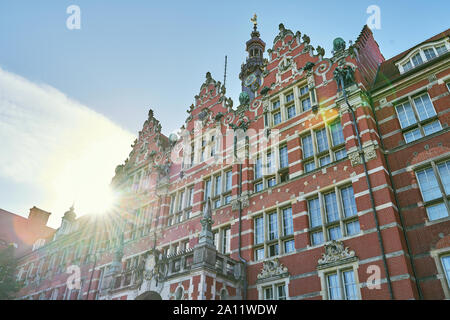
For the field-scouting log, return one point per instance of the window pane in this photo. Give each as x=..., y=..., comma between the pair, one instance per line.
x=259, y=254
x=268, y=293
x=437, y=211
x=271, y=182
x=281, y=292
x=291, y=112
x=349, y=285
x=276, y=118
x=289, y=246
x=258, y=187
x=259, y=230
x=324, y=161
x=226, y=240
x=334, y=292
x=331, y=208
x=306, y=104
x=207, y=189
x=429, y=53
x=314, y=212
x=317, y=238
x=322, y=142
x=446, y=267
x=218, y=185
x=348, y=201
x=334, y=233
x=228, y=182
x=336, y=133
x=424, y=107
x=228, y=199
x=284, y=157
x=270, y=163
x=310, y=166
x=444, y=173
x=353, y=228
x=432, y=127
x=303, y=90
x=441, y=49
x=307, y=147
x=405, y=115
x=275, y=105
x=340, y=154
x=290, y=97
x=417, y=60
x=258, y=168
x=428, y=184
x=407, y=66
x=412, y=135
x=288, y=227
x=273, y=250
x=273, y=226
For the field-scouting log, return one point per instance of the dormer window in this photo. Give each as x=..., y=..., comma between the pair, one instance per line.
x=424, y=54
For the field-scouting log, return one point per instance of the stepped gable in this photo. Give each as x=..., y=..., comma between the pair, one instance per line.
x=151, y=147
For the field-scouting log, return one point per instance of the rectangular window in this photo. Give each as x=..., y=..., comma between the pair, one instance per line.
x=306, y=104
x=314, y=212
x=181, y=201
x=310, y=166
x=291, y=112
x=353, y=228
x=273, y=226
x=324, y=161
x=273, y=250
x=307, y=146
x=276, y=118
x=207, y=189
x=429, y=53
x=441, y=49
x=340, y=154
x=337, y=135
x=407, y=66
x=289, y=246
x=271, y=182
x=270, y=163
x=276, y=105
x=259, y=254
x=268, y=293
x=348, y=278
x=258, y=168
x=191, y=197
x=259, y=230
x=317, y=238
x=288, y=227
x=218, y=185
x=281, y=291
x=446, y=266
x=226, y=237
x=331, y=207
x=289, y=97
x=415, y=113
x=334, y=233
x=284, y=157
x=322, y=141
x=434, y=184
x=259, y=187
x=417, y=59
x=228, y=180
x=334, y=291
x=348, y=201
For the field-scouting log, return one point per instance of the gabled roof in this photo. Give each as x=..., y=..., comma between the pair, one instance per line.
x=388, y=71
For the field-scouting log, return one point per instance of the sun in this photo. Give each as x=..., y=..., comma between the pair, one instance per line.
x=99, y=202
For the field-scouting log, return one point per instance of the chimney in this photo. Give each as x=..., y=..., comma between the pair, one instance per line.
x=38, y=217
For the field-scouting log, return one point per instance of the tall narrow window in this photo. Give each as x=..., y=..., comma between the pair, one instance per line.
x=336, y=133
x=334, y=292
x=284, y=157
x=228, y=180
x=207, y=189
x=273, y=226
x=307, y=146
x=259, y=230
x=322, y=141
x=288, y=227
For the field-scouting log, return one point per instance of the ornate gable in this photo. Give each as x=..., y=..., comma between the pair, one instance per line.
x=272, y=269
x=335, y=254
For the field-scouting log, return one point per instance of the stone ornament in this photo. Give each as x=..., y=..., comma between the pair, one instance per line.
x=335, y=251
x=272, y=268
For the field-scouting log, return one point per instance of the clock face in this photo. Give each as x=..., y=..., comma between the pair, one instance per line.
x=250, y=80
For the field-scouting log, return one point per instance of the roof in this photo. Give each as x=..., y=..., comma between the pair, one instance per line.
x=388, y=71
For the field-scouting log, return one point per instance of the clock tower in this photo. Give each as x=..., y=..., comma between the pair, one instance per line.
x=251, y=70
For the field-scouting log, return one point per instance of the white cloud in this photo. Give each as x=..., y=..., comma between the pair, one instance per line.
x=57, y=145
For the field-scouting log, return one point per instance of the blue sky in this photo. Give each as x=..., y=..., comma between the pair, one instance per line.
x=130, y=55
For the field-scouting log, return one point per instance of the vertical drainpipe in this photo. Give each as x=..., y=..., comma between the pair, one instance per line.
x=391, y=179
x=244, y=296
x=372, y=201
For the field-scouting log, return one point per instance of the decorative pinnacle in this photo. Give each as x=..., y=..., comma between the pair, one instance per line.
x=255, y=21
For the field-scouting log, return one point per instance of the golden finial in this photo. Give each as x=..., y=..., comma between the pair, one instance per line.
x=254, y=20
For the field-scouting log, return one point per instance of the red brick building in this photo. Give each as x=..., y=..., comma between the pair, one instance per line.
x=328, y=180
